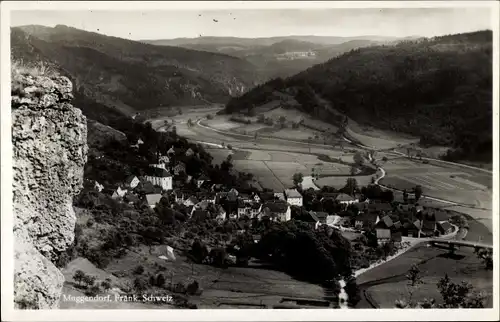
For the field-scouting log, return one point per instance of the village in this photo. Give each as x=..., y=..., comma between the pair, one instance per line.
x=353, y=215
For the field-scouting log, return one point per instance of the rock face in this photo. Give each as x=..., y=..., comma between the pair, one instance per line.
x=49, y=138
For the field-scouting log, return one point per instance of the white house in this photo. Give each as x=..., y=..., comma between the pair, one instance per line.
x=201, y=180
x=293, y=197
x=153, y=199
x=345, y=199
x=159, y=177
x=132, y=181
x=159, y=165
x=164, y=159
x=276, y=210
x=119, y=192
x=98, y=186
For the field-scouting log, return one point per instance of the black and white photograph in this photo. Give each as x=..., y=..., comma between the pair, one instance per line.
x=332, y=157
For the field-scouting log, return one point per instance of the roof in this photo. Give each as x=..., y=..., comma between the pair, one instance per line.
x=368, y=218
x=130, y=197
x=321, y=215
x=428, y=224
x=157, y=172
x=397, y=236
x=327, y=195
x=387, y=221
x=417, y=224
x=313, y=216
x=255, y=206
x=276, y=207
x=180, y=164
x=152, y=199
x=292, y=193
x=383, y=233
x=200, y=214
x=444, y=225
x=333, y=219
x=397, y=225
x=344, y=197
x=379, y=206
x=193, y=199
x=129, y=179
x=203, y=177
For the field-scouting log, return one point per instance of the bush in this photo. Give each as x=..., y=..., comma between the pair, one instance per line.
x=210, y=116
x=90, y=222
x=192, y=289
x=139, y=270
x=229, y=146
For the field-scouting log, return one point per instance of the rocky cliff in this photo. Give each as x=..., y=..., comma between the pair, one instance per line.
x=49, y=138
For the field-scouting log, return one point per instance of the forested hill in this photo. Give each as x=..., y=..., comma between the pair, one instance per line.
x=130, y=76
x=439, y=89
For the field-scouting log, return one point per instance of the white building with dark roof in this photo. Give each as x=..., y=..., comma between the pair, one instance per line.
x=293, y=197
x=159, y=177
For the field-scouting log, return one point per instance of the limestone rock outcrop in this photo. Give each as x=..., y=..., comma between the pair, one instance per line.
x=49, y=138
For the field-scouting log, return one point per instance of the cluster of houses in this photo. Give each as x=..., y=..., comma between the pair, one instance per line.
x=158, y=181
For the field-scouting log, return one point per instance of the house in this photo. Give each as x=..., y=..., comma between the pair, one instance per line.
x=428, y=227
x=277, y=210
x=319, y=218
x=217, y=187
x=345, y=199
x=158, y=165
x=385, y=222
x=153, y=199
x=97, y=186
x=328, y=195
x=255, y=209
x=201, y=180
x=397, y=238
x=293, y=197
x=382, y=207
x=383, y=235
x=242, y=208
x=199, y=214
x=191, y=201
x=333, y=220
x=397, y=226
x=366, y=221
x=220, y=214
x=119, y=192
x=255, y=197
x=171, y=151
x=444, y=227
x=179, y=196
x=279, y=196
x=189, y=152
x=233, y=191
x=412, y=229
x=256, y=238
x=132, y=181
x=210, y=197
x=164, y=159
x=159, y=177
x=108, y=191
x=179, y=168
x=245, y=198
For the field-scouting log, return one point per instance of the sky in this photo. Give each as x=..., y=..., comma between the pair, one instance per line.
x=251, y=23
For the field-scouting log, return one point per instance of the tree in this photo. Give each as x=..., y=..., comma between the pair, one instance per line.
x=190, y=123
x=418, y=192
x=354, y=170
x=282, y=121
x=89, y=280
x=193, y=288
x=140, y=284
x=199, y=251
x=414, y=279
x=79, y=276
x=351, y=186
x=459, y=295
x=486, y=255
x=160, y=280
x=106, y=284
x=405, y=196
x=358, y=158
x=297, y=179
x=229, y=158
x=139, y=270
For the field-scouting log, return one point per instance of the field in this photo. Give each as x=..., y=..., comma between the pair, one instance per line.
x=387, y=283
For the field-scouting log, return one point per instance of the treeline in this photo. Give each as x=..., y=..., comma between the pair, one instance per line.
x=438, y=89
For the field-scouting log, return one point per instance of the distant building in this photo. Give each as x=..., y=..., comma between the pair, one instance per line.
x=255, y=197
x=164, y=159
x=293, y=197
x=179, y=168
x=279, y=195
x=191, y=201
x=171, y=151
x=97, y=186
x=383, y=235
x=119, y=193
x=366, y=221
x=201, y=180
x=153, y=199
x=277, y=211
x=132, y=181
x=159, y=177
x=345, y=199
x=444, y=227
x=159, y=165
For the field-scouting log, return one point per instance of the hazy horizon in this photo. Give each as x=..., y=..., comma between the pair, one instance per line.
x=264, y=23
